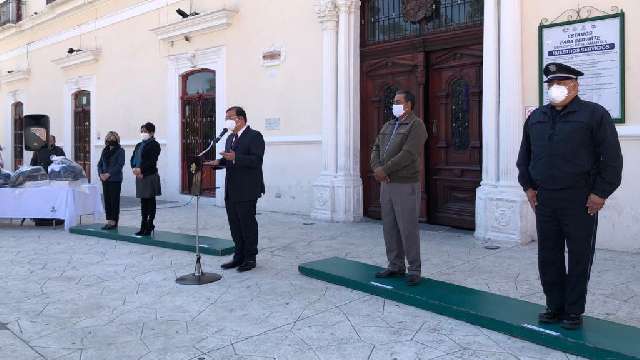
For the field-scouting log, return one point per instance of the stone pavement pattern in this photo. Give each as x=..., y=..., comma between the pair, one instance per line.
x=66, y=296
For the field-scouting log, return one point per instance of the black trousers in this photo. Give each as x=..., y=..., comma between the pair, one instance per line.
x=244, y=229
x=562, y=218
x=111, y=192
x=148, y=207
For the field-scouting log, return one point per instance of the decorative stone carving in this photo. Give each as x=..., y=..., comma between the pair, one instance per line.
x=327, y=10
x=322, y=197
x=503, y=215
x=418, y=10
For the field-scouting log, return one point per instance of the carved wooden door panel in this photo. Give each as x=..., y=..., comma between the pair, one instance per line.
x=455, y=138
x=381, y=79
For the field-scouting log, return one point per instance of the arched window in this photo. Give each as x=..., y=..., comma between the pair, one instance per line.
x=198, y=123
x=82, y=130
x=17, y=113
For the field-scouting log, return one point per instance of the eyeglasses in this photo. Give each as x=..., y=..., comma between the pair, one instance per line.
x=231, y=118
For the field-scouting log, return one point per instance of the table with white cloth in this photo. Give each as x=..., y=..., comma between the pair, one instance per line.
x=55, y=200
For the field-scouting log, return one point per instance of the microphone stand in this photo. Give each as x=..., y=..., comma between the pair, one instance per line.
x=198, y=277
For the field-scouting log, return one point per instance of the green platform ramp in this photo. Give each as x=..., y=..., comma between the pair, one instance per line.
x=598, y=339
x=163, y=239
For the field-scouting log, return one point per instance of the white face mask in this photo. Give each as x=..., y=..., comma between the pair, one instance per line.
x=145, y=136
x=230, y=125
x=398, y=110
x=557, y=93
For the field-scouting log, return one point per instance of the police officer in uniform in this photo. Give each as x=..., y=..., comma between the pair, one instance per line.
x=569, y=164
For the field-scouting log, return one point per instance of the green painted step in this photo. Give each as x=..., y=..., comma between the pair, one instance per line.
x=598, y=339
x=163, y=239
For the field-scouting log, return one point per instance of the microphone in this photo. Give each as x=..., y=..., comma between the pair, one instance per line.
x=214, y=141
x=224, y=131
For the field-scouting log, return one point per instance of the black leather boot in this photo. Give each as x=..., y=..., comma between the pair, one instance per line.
x=143, y=228
x=150, y=228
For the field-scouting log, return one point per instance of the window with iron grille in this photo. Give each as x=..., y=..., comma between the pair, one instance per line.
x=10, y=12
x=82, y=130
x=18, y=134
x=389, y=20
x=460, y=114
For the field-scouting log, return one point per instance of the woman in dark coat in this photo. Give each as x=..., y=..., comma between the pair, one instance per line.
x=144, y=163
x=110, y=171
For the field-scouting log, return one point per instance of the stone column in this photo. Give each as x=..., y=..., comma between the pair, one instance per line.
x=323, y=206
x=490, y=114
x=503, y=213
x=348, y=184
x=338, y=190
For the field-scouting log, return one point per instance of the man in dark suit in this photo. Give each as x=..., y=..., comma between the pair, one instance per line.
x=244, y=184
x=42, y=157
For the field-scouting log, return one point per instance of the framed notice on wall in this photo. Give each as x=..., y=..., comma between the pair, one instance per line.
x=594, y=46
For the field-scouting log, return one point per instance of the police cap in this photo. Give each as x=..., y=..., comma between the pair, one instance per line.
x=559, y=71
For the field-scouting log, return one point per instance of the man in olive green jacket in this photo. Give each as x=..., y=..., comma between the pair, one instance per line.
x=395, y=160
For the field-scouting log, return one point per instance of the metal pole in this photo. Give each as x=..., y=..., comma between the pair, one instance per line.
x=198, y=270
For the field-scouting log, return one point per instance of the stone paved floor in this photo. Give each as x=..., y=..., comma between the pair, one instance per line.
x=65, y=296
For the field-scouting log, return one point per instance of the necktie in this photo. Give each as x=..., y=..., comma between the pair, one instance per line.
x=234, y=141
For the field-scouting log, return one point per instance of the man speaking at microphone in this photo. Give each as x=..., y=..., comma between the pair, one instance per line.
x=244, y=184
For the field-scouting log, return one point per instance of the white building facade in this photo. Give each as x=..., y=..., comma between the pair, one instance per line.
x=314, y=77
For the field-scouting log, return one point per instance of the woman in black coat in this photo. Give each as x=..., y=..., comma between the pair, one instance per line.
x=110, y=171
x=144, y=163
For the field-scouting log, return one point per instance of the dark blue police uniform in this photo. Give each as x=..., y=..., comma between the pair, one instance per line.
x=566, y=155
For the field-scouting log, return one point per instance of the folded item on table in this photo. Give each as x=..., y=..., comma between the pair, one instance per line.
x=26, y=174
x=63, y=169
x=5, y=176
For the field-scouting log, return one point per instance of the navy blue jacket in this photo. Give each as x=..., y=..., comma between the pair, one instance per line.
x=149, y=157
x=576, y=147
x=113, y=166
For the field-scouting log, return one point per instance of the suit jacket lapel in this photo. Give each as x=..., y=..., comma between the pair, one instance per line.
x=241, y=137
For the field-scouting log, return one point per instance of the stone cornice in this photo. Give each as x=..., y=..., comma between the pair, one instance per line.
x=214, y=21
x=83, y=57
x=15, y=75
x=48, y=13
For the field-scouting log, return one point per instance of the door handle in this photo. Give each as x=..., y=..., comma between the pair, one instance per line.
x=435, y=126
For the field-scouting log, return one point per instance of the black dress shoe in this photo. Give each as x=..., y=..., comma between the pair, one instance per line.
x=390, y=273
x=413, y=279
x=231, y=264
x=572, y=322
x=246, y=266
x=550, y=317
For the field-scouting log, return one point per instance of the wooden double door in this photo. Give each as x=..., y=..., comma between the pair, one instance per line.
x=448, y=88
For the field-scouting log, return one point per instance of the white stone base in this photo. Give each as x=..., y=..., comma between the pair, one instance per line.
x=337, y=198
x=348, y=198
x=323, y=198
x=503, y=214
